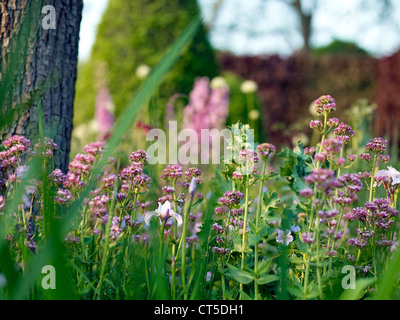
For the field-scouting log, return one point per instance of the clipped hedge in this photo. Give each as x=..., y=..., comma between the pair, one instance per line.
x=388, y=98
x=134, y=33
x=287, y=86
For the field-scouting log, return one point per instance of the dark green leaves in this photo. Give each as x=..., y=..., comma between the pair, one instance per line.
x=295, y=168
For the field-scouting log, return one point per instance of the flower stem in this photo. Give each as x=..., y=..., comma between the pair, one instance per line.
x=258, y=214
x=106, y=243
x=246, y=209
x=173, y=266
x=183, y=239
x=371, y=188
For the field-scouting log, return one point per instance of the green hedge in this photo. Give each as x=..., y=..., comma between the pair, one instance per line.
x=134, y=33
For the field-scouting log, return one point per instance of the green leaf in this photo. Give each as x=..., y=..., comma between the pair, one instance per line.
x=359, y=291
x=245, y=296
x=386, y=283
x=85, y=290
x=296, y=260
x=267, y=278
x=263, y=267
x=221, y=182
x=133, y=109
x=303, y=248
x=241, y=276
x=295, y=168
x=270, y=200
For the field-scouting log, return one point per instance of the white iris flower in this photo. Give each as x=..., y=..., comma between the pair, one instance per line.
x=164, y=212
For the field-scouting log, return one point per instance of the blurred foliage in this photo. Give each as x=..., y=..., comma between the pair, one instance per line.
x=240, y=107
x=339, y=47
x=388, y=100
x=288, y=86
x=133, y=34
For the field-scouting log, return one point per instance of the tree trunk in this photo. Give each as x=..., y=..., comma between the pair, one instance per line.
x=306, y=21
x=48, y=71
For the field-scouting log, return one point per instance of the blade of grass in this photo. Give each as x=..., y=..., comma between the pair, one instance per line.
x=128, y=117
x=59, y=230
x=15, y=60
x=386, y=284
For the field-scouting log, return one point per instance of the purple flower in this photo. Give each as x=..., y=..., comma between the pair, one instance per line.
x=308, y=237
x=333, y=123
x=71, y=239
x=2, y=202
x=115, y=228
x=351, y=158
x=104, y=112
x=295, y=229
x=221, y=210
x=316, y=124
x=307, y=192
x=344, y=130
x=139, y=156
x=237, y=176
x=323, y=179
x=332, y=146
x=63, y=196
x=320, y=157
x=207, y=108
x=324, y=104
x=190, y=174
x=72, y=180
x=21, y=142
x=231, y=198
x=172, y=172
x=365, y=156
x=247, y=157
x=265, y=150
x=77, y=166
x=94, y=148
x=284, y=237
x=46, y=148
x=376, y=145
x=309, y=151
x=57, y=177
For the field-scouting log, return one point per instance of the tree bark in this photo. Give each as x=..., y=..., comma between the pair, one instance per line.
x=306, y=21
x=49, y=70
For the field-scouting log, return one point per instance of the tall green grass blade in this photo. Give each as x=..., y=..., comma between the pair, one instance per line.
x=132, y=110
x=359, y=291
x=387, y=282
x=204, y=236
x=13, y=63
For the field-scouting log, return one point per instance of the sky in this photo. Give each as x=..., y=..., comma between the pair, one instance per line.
x=91, y=16
x=340, y=19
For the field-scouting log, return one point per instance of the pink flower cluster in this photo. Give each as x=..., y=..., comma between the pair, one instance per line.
x=324, y=104
x=231, y=198
x=46, y=148
x=172, y=172
x=323, y=179
x=349, y=186
x=207, y=108
x=376, y=145
x=265, y=150
x=376, y=217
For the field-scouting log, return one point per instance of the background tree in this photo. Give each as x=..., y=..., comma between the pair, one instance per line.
x=39, y=62
x=286, y=26
x=135, y=33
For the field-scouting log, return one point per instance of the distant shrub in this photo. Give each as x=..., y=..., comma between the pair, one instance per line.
x=136, y=33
